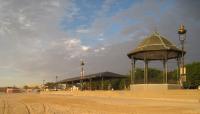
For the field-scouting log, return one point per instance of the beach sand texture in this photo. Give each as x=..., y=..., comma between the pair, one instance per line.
x=100, y=102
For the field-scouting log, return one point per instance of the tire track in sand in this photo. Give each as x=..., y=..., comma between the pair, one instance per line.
x=28, y=109
x=5, y=106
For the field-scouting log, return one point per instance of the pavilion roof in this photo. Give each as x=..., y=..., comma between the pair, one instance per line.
x=96, y=76
x=155, y=47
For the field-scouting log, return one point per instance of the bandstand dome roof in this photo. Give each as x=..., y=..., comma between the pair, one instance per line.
x=155, y=47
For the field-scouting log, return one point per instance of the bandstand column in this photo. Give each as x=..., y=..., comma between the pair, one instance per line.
x=132, y=64
x=102, y=83
x=66, y=85
x=145, y=71
x=90, y=84
x=134, y=61
x=165, y=71
x=178, y=68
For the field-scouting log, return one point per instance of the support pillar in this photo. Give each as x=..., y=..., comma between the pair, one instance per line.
x=132, y=62
x=102, y=84
x=67, y=86
x=178, y=70
x=146, y=71
x=165, y=71
x=90, y=84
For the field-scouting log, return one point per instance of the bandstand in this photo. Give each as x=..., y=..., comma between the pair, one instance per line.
x=154, y=48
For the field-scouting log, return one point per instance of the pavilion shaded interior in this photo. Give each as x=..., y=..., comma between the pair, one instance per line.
x=154, y=47
x=97, y=77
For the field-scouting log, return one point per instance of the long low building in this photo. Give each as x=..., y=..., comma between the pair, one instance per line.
x=89, y=79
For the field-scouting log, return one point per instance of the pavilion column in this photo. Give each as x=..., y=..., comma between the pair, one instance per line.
x=133, y=70
x=90, y=84
x=165, y=71
x=110, y=85
x=66, y=85
x=102, y=84
x=146, y=71
x=132, y=62
x=178, y=68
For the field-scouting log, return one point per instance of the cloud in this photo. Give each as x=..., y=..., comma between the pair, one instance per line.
x=82, y=31
x=34, y=46
x=85, y=48
x=72, y=43
x=102, y=48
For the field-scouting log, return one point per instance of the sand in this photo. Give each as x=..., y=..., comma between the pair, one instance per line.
x=100, y=102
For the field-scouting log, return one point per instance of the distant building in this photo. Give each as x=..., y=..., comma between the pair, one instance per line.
x=97, y=81
x=10, y=90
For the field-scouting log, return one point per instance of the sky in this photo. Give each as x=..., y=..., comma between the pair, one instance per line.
x=42, y=39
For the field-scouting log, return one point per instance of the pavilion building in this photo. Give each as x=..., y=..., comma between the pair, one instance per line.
x=90, y=79
x=154, y=48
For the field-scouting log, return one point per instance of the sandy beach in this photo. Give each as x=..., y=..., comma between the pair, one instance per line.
x=99, y=102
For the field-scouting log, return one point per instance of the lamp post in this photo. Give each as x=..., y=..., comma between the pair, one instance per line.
x=82, y=73
x=182, y=37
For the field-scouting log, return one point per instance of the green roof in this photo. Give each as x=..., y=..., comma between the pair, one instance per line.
x=155, y=47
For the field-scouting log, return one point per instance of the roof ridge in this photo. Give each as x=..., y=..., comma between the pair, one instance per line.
x=159, y=36
x=172, y=44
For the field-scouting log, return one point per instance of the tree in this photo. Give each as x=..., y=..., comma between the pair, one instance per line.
x=50, y=85
x=26, y=87
x=122, y=84
x=193, y=75
x=154, y=76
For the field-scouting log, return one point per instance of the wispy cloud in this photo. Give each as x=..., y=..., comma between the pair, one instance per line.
x=41, y=39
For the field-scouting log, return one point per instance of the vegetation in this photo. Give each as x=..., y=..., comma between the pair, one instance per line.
x=193, y=75
x=50, y=85
x=28, y=87
x=156, y=76
x=116, y=84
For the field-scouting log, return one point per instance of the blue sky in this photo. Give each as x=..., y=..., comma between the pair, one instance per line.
x=89, y=11
x=41, y=39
